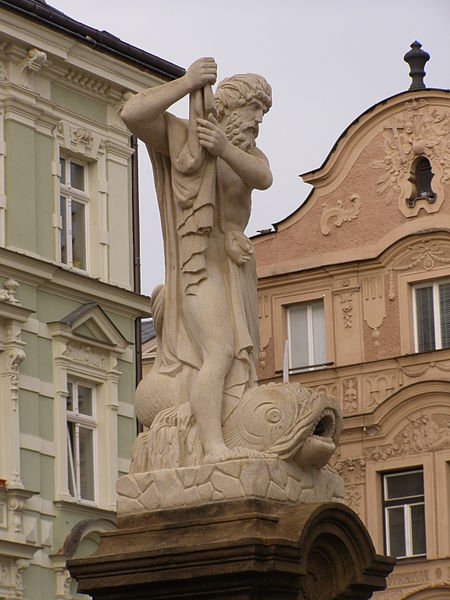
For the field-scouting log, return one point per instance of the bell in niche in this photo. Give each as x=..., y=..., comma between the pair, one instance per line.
x=421, y=180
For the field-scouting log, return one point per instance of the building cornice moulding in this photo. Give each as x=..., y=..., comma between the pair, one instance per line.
x=66, y=55
x=431, y=225
x=50, y=277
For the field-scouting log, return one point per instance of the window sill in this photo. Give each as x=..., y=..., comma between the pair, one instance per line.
x=73, y=269
x=309, y=368
x=411, y=559
x=90, y=509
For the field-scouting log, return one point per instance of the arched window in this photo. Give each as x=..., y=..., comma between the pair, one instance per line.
x=421, y=179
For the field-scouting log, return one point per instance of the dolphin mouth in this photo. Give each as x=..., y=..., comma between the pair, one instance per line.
x=324, y=427
x=320, y=444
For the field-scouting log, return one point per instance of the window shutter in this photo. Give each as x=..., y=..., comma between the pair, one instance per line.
x=425, y=319
x=444, y=304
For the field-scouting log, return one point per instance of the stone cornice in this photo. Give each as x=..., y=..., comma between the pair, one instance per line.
x=72, y=58
x=312, y=266
x=50, y=277
x=13, y=312
x=17, y=550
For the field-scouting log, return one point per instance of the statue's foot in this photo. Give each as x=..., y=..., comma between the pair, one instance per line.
x=235, y=454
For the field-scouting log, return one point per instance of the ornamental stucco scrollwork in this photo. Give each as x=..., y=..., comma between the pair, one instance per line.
x=347, y=309
x=350, y=394
x=79, y=139
x=374, y=308
x=424, y=433
x=343, y=212
x=84, y=354
x=80, y=135
x=397, y=579
x=123, y=100
x=379, y=388
x=419, y=131
x=16, y=506
x=419, y=370
x=15, y=356
x=33, y=63
x=21, y=565
x=330, y=389
x=424, y=254
x=353, y=498
x=352, y=470
x=118, y=106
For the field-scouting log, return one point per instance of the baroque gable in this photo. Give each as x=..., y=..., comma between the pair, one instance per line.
x=419, y=130
x=366, y=196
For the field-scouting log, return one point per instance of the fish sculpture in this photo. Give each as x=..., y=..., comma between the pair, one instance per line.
x=285, y=421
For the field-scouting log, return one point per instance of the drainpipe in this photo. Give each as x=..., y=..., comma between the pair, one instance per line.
x=136, y=249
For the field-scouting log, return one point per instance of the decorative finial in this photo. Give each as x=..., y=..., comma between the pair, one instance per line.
x=416, y=59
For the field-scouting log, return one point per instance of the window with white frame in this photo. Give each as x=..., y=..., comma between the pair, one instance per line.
x=404, y=513
x=81, y=440
x=73, y=201
x=306, y=335
x=432, y=316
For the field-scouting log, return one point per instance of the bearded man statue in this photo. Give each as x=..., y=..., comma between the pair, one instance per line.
x=205, y=315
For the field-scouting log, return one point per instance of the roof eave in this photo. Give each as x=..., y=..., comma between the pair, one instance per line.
x=102, y=41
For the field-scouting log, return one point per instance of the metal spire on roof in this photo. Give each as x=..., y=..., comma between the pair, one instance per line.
x=416, y=59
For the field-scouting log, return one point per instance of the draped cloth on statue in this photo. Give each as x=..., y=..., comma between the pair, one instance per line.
x=189, y=198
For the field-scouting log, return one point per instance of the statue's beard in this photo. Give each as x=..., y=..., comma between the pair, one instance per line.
x=241, y=133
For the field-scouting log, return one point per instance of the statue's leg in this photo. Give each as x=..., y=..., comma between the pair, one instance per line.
x=208, y=317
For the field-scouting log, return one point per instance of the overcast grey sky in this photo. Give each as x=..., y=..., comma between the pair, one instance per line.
x=327, y=61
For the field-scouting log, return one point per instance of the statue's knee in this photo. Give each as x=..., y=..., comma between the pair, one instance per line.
x=220, y=358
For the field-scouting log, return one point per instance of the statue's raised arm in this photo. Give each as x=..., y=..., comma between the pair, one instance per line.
x=143, y=113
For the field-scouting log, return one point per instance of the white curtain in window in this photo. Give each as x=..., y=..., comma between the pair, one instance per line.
x=298, y=336
x=307, y=341
x=318, y=331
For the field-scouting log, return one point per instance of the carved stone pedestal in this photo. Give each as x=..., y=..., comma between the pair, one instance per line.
x=241, y=550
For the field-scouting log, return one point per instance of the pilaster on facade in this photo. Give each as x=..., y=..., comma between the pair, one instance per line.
x=16, y=549
x=12, y=354
x=3, y=200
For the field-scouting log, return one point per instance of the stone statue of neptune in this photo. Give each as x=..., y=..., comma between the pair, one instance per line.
x=200, y=401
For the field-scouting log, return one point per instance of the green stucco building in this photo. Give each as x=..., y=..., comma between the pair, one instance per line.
x=69, y=286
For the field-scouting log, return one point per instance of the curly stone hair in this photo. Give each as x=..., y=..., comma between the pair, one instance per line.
x=239, y=90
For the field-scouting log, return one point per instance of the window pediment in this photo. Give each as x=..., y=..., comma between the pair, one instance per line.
x=90, y=325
